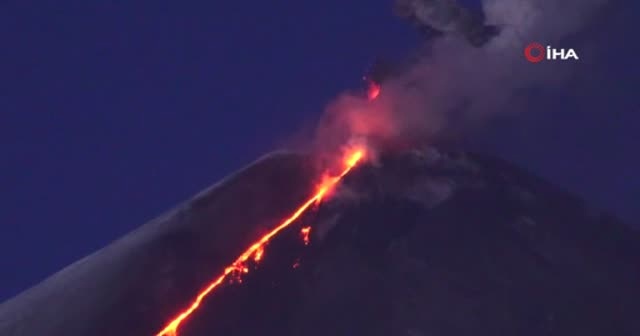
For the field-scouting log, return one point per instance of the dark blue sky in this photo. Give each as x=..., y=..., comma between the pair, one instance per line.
x=110, y=113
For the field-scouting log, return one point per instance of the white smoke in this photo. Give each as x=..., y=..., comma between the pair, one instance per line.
x=455, y=86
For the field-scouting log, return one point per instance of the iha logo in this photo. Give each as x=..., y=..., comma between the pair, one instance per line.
x=535, y=52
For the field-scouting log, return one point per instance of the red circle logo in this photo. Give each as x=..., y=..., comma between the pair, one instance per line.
x=534, y=52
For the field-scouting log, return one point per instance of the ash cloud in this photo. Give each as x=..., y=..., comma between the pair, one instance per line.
x=455, y=87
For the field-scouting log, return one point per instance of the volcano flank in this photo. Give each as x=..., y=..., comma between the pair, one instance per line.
x=423, y=242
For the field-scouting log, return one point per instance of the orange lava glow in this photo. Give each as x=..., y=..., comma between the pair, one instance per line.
x=258, y=255
x=374, y=90
x=256, y=250
x=305, y=234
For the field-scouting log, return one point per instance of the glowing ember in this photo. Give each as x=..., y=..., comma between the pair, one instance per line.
x=305, y=234
x=374, y=90
x=258, y=255
x=256, y=250
x=351, y=160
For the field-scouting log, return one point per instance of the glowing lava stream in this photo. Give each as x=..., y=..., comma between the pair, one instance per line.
x=256, y=249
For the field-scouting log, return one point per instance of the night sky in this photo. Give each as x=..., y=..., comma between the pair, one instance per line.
x=111, y=113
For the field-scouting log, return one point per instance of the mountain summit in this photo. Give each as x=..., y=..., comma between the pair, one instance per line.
x=422, y=242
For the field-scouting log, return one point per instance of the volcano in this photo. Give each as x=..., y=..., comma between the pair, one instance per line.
x=419, y=242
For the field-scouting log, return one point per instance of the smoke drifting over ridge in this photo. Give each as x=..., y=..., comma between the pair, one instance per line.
x=454, y=87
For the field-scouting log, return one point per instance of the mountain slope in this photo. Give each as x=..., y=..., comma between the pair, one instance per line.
x=421, y=242
x=132, y=286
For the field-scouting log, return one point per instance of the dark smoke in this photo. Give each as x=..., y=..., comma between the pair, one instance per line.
x=455, y=87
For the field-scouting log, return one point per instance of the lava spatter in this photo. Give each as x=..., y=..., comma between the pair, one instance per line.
x=305, y=231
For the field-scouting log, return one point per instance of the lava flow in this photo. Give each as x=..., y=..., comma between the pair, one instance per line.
x=256, y=250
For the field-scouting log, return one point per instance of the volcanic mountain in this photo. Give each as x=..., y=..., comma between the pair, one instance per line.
x=423, y=242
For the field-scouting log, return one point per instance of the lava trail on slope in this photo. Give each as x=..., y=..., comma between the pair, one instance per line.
x=255, y=251
x=135, y=284
x=427, y=241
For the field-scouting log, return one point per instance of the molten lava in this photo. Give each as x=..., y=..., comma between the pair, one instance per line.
x=373, y=91
x=256, y=250
x=305, y=234
x=258, y=255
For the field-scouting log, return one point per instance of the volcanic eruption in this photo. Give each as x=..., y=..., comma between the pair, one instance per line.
x=255, y=251
x=423, y=241
x=398, y=234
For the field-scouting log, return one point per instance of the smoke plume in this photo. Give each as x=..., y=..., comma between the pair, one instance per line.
x=454, y=87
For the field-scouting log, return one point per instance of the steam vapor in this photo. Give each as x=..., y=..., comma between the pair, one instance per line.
x=455, y=87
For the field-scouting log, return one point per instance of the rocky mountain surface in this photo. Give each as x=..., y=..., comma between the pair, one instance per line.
x=423, y=242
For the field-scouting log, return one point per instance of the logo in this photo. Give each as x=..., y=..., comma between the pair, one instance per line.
x=535, y=53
